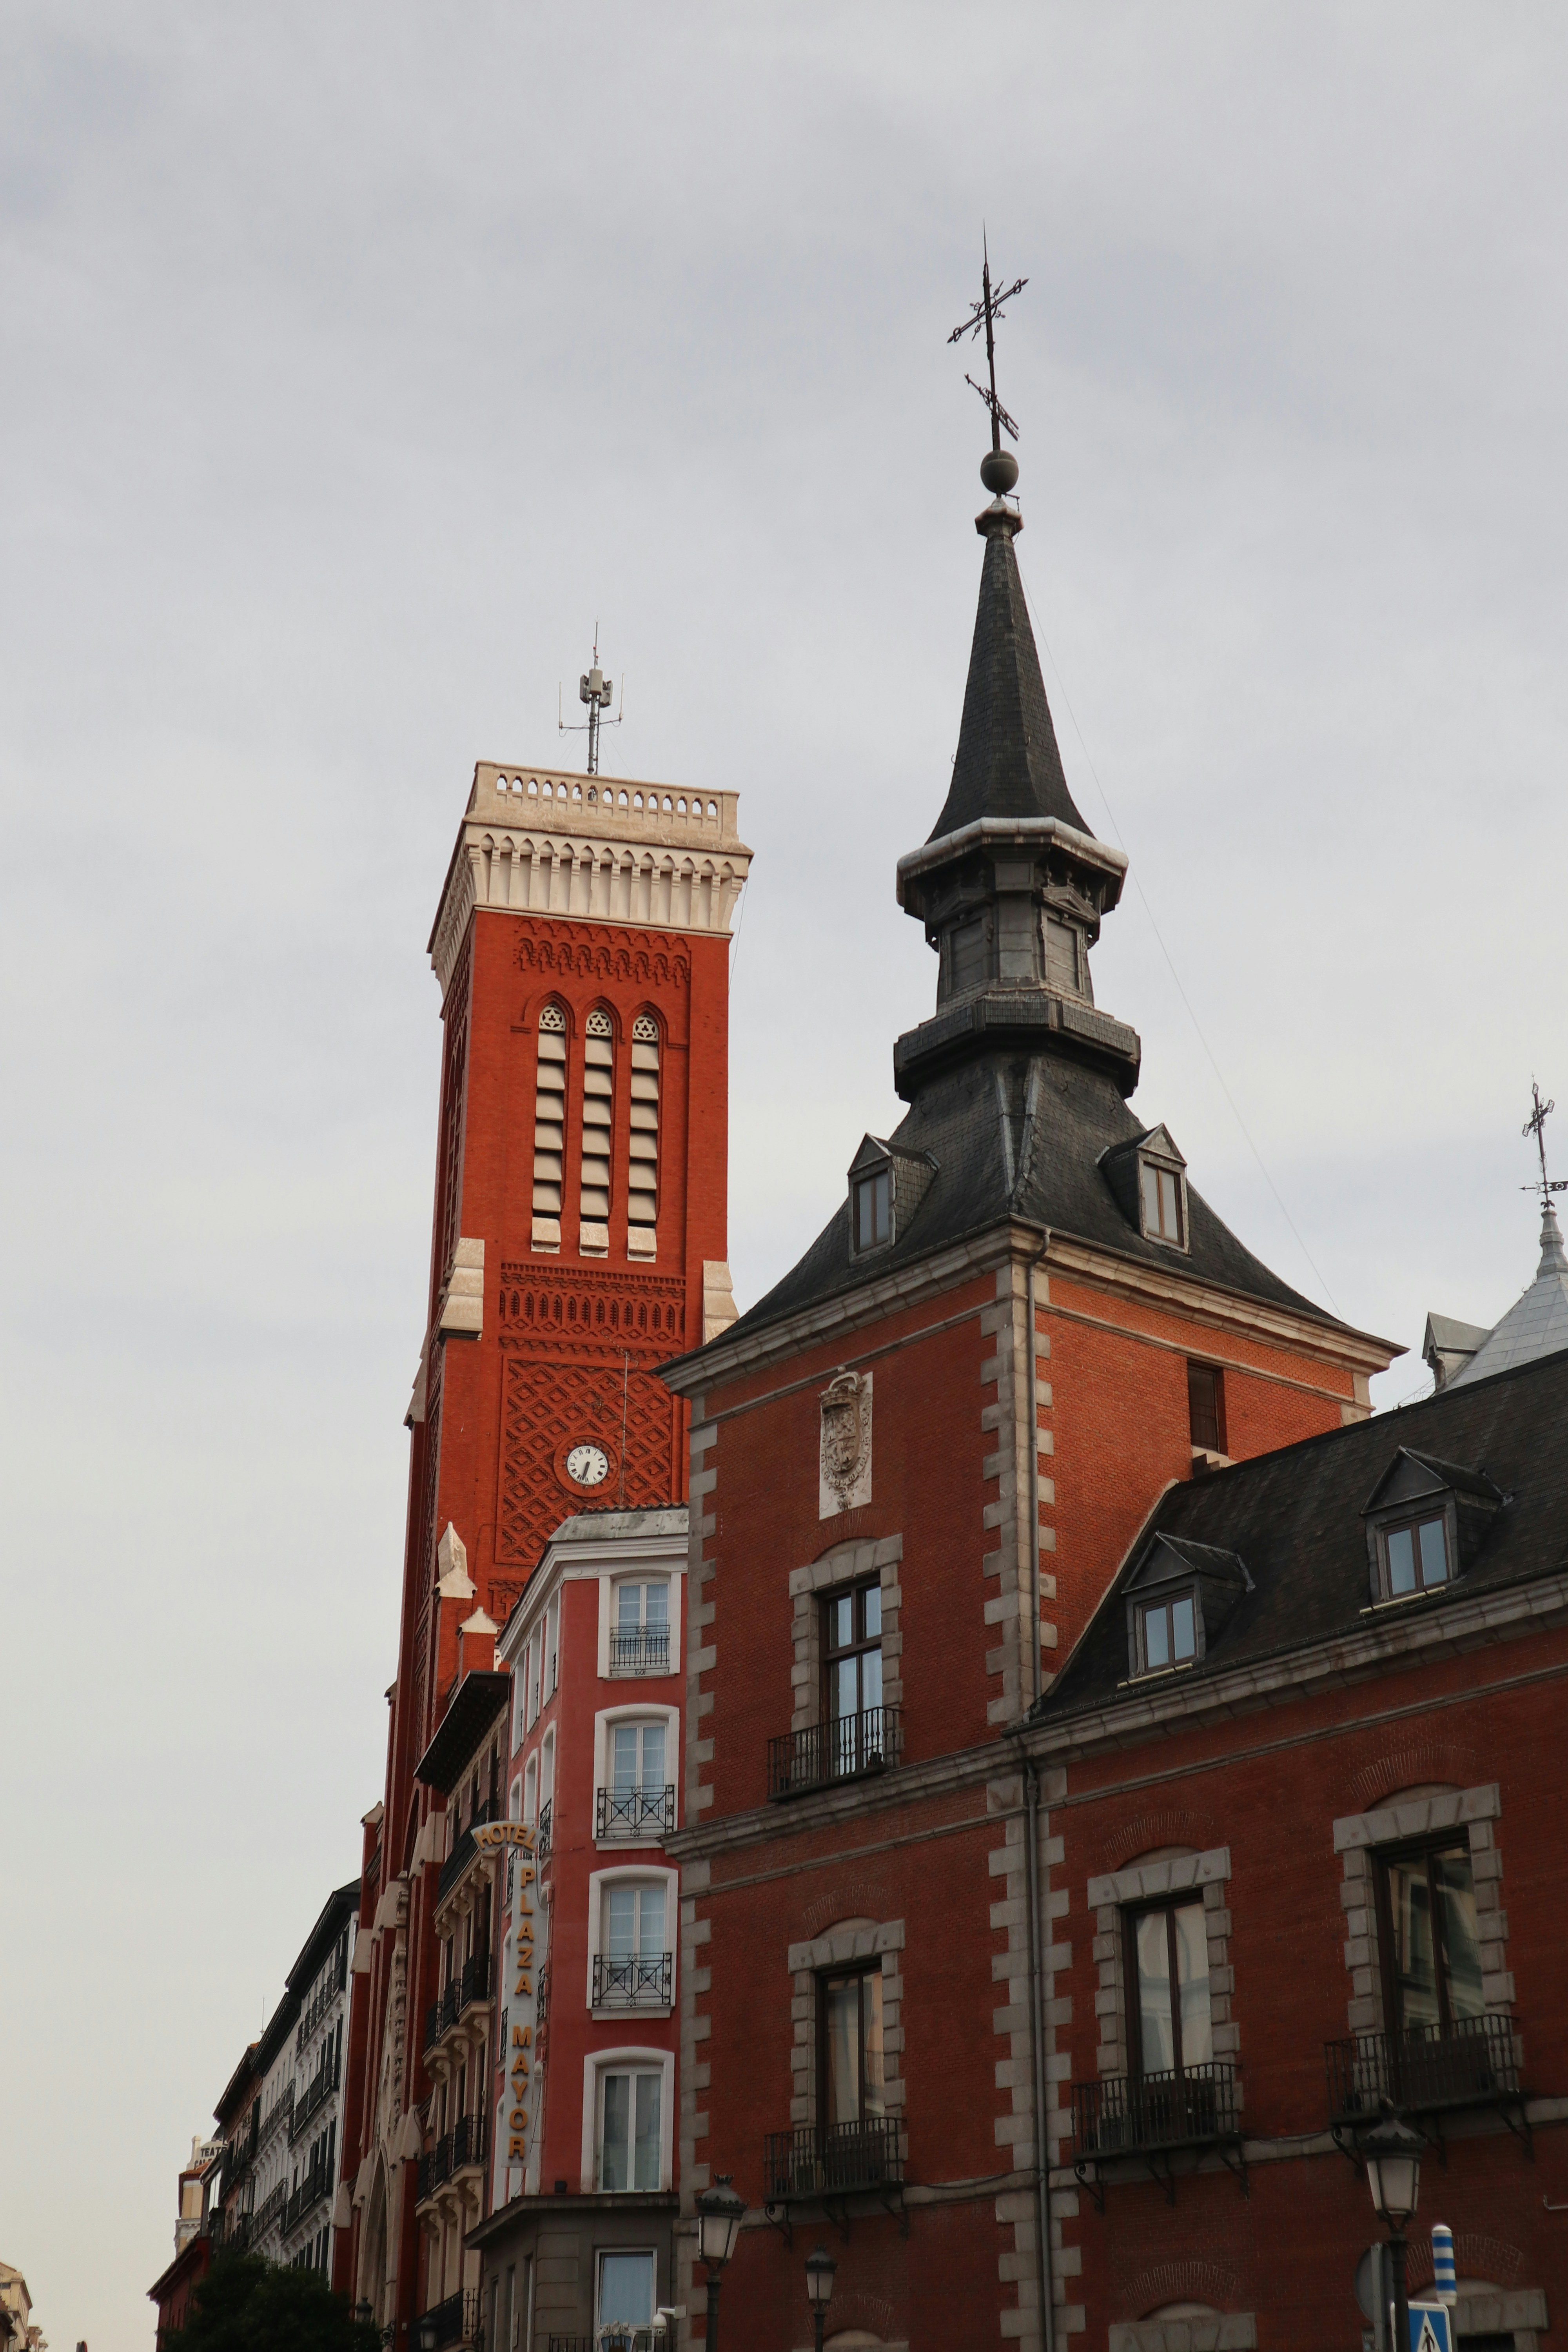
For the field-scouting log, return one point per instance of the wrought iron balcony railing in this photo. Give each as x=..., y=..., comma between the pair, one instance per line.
x=1133, y=2116
x=541, y=1836
x=832, y=2159
x=320, y=2088
x=641, y=1816
x=464, y=2145
x=472, y=1983
x=632, y=1981
x=266, y=2213
x=839, y=1749
x=1423, y=2071
x=316, y=2185
x=326, y=1992
x=456, y=2321
x=644, y=1651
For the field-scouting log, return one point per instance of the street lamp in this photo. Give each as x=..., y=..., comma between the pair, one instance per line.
x=429, y=2333
x=819, y=2269
x=1393, y=2154
x=720, y=2214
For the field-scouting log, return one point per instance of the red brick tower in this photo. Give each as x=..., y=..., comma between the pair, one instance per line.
x=580, y=944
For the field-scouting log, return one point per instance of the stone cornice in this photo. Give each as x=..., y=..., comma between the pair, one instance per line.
x=1174, y=1292
x=1397, y=1633
x=847, y=1310
x=591, y=848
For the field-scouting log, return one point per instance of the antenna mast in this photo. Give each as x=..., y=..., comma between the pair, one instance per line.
x=596, y=690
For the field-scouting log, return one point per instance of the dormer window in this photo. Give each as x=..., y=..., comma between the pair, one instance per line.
x=872, y=1210
x=1162, y=1192
x=1180, y=1599
x=887, y=1185
x=1425, y=1521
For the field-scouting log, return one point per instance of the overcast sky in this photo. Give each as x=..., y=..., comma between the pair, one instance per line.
x=358, y=358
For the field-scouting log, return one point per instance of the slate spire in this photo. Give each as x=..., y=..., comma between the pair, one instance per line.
x=1008, y=764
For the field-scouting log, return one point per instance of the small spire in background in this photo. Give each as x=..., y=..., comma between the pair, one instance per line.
x=999, y=468
x=1536, y=1125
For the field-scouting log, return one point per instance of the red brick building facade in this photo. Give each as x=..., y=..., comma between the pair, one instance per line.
x=580, y=945
x=916, y=1468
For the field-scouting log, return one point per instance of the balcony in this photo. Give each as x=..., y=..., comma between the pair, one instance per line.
x=456, y=2321
x=644, y=1651
x=326, y=1993
x=229, y=2232
x=821, y=2160
x=840, y=1750
x=1152, y=2116
x=453, y=2151
x=541, y=1836
x=637, y=1816
x=316, y=2185
x=463, y=1847
x=320, y=2088
x=1425, y=2071
x=472, y=1983
x=632, y=1981
x=267, y=2211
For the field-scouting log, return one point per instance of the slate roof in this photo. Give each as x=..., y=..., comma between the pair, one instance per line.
x=1017, y=1135
x=1535, y=1325
x=1007, y=762
x=1294, y=1517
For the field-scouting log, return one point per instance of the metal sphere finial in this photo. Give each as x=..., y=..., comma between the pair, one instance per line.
x=999, y=471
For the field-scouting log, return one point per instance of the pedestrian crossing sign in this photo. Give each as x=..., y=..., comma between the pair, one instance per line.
x=1431, y=2328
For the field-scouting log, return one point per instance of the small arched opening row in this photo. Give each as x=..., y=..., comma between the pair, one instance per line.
x=596, y=1132
x=571, y=791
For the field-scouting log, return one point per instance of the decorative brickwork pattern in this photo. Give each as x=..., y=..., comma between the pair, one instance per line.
x=548, y=1405
x=657, y=964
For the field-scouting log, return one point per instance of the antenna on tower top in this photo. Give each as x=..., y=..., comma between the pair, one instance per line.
x=1536, y=1125
x=596, y=690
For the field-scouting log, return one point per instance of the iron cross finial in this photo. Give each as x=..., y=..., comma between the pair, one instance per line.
x=985, y=313
x=1536, y=1125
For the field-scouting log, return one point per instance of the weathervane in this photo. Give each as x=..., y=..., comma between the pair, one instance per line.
x=1536, y=1125
x=596, y=690
x=985, y=313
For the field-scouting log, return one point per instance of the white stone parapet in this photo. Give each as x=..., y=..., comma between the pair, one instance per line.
x=598, y=849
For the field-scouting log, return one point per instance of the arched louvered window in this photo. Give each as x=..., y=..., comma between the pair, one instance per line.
x=642, y=1181
x=598, y=1098
x=549, y=1128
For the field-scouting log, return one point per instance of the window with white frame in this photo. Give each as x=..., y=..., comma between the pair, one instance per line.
x=549, y=1128
x=533, y=1671
x=631, y=2127
x=639, y=1631
x=552, y=1647
x=637, y=1800
x=632, y=1968
x=530, y=1790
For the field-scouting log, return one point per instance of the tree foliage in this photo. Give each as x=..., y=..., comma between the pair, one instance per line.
x=245, y=2304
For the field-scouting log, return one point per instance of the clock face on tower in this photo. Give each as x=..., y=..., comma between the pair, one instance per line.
x=588, y=1466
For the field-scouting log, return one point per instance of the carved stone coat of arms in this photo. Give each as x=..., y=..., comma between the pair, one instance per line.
x=845, y=1468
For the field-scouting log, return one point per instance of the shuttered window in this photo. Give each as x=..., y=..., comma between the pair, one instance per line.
x=549, y=1128
x=642, y=1177
x=598, y=1098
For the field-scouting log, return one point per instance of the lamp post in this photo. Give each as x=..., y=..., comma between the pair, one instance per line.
x=1393, y=2154
x=819, y=2269
x=720, y=2214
